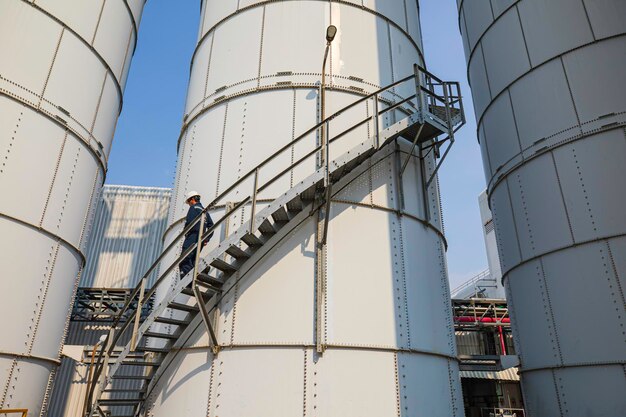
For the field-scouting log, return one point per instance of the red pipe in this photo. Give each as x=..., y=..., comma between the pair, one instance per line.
x=502, y=345
x=467, y=319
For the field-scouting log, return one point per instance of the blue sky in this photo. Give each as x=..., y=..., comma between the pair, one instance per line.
x=144, y=150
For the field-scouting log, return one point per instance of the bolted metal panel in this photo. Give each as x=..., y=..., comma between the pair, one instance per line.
x=62, y=73
x=553, y=141
x=376, y=298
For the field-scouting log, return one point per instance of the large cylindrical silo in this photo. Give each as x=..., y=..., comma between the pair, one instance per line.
x=384, y=323
x=550, y=99
x=63, y=66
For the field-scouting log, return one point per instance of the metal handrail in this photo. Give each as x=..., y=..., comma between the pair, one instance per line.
x=446, y=100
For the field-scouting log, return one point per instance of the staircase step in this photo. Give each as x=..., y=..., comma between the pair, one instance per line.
x=133, y=377
x=206, y=295
x=160, y=335
x=281, y=215
x=108, y=401
x=223, y=265
x=167, y=320
x=252, y=240
x=267, y=228
x=208, y=279
x=237, y=253
x=295, y=205
x=152, y=349
x=127, y=390
x=308, y=194
x=140, y=363
x=183, y=307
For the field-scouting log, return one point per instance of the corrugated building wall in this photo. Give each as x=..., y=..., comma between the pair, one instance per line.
x=126, y=235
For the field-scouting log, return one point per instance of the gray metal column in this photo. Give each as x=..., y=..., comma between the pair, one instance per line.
x=63, y=66
x=550, y=98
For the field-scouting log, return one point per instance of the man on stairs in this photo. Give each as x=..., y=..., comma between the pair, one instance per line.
x=191, y=237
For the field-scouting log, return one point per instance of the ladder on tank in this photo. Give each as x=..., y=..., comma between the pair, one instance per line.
x=122, y=380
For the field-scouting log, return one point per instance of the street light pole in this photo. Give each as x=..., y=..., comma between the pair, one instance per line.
x=331, y=31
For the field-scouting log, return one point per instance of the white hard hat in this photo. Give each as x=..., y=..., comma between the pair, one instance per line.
x=191, y=194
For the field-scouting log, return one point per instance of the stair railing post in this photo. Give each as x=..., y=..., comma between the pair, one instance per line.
x=376, y=122
x=254, y=195
x=196, y=291
x=133, y=339
x=419, y=93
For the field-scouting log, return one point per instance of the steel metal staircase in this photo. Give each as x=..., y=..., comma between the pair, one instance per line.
x=123, y=379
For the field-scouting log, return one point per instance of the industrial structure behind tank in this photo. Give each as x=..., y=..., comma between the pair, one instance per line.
x=292, y=154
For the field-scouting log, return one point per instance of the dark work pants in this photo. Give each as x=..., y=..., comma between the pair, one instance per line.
x=186, y=264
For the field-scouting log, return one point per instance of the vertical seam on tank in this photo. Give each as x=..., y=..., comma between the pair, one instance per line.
x=54, y=176
x=391, y=58
x=208, y=70
x=130, y=37
x=519, y=245
x=441, y=218
x=445, y=287
x=68, y=189
x=593, y=33
x=519, y=140
x=236, y=291
x=42, y=298
x=70, y=308
x=219, y=166
x=453, y=398
x=54, y=57
x=519, y=18
x=95, y=29
x=584, y=190
x=618, y=284
x=558, y=180
x=89, y=215
x=557, y=391
x=482, y=54
x=210, y=393
x=406, y=16
x=258, y=82
x=398, y=394
x=403, y=273
x=8, y=383
x=549, y=306
x=177, y=178
x=491, y=171
x=10, y=144
x=524, y=207
x=95, y=115
x=293, y=136
x=304, y=383
x=49, y=386
x=493, y=14
x=571, y=94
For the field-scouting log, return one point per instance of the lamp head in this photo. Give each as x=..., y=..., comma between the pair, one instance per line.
x=331, y=31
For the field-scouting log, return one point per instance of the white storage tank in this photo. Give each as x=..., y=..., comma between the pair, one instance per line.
x=384, y=323
x=550, y=99
x=63, y=66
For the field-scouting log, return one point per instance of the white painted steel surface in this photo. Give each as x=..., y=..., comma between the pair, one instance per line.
x=550, y=98
x=387, y=325
x=126, y=235
x=63, y=66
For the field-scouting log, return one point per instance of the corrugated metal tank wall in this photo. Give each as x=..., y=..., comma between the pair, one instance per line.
x=550, y=98
x=387, y=324
x=62, y=70
x=126, y=236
